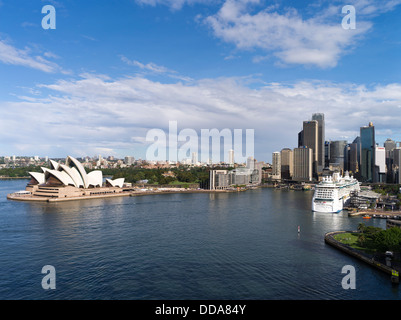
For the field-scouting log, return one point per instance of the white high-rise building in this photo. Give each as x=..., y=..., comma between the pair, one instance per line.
x=194, y=157
x=231, y=157
x=129, y=160
x=250, y=163
x=276, y=165
x=380, y=164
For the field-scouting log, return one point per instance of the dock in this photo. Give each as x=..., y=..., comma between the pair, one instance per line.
x=379, y=214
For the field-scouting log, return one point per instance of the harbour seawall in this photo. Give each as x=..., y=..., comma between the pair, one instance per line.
x=376, y=213
x=30, y=197
x=17, y=197
x=329, y=239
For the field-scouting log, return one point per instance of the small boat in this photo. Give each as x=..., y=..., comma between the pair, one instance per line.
x=367, y=217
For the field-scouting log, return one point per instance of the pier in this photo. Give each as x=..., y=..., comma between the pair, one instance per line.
x=380, y=214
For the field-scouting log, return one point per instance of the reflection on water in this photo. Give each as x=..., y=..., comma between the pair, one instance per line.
x=243, y=245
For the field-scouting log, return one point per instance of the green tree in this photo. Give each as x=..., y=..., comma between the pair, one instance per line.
x=361, y=227
x=362, y=239
x=389, y=239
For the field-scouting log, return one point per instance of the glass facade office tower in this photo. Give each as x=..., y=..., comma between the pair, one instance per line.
x=310, y=140
x=326, y=153
x=397, y=165
x=300, y=138
x=337, y=153
x=389, y=145
x=353, y=166
x=319, y=117
x=368, y=145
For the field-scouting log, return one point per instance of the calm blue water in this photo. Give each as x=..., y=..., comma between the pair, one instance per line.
x=179, y=246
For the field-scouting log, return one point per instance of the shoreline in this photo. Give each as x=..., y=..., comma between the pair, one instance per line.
x=132, y=193
x=376, y=213
x=369, y=259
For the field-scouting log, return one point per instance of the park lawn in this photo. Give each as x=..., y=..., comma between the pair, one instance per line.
x=183, y=184
x=179, y=183
x=350, y=239
x=175, y=182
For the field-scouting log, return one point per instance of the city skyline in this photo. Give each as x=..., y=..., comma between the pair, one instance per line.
x=363, y=158
x=89, y=88
x=231, y=155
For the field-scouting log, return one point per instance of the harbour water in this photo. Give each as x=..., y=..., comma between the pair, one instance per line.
x=242, y=245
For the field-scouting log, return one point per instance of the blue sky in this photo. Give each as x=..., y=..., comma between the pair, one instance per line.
x=113, y=70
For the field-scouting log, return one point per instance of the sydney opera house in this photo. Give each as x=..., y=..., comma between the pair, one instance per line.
x=68, y=181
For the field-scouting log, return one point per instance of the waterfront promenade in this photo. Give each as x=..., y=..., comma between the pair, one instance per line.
x=372, y=259
x=377, y=213
x=18, y=196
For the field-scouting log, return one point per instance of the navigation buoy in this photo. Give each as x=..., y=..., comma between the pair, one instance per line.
x=299, y=229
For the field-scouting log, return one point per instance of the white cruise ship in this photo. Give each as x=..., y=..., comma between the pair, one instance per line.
x=332, y=193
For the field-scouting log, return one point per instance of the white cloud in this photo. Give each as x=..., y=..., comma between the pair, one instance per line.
x=318, y=40
x=149, y=66
x=11, y=55
x=28, y=24
x=49, y=54
x=93, y=112
x=174, y=4
x=288, y=36
x=374, y=7
x=154, y=68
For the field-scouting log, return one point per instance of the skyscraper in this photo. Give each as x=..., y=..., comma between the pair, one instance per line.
x=397, y=165
x=250, y=162
x=319, y=117
x=326, y=153
x=380, y=164
x=367, y=152
x=287, y=163
x=276, y=165
x=389, y=146
x=129, y=160
x=194, y=159
x=357, y=141
x=303, y=164
x=337, y=153
x=353, y=166
x=231, y=157
x=300, y=138
x=310, y=140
